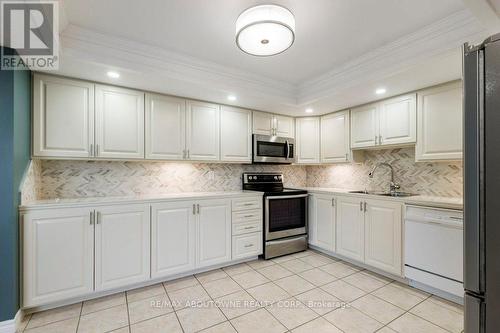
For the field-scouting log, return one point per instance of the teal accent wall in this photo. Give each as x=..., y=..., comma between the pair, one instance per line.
x=15, y=138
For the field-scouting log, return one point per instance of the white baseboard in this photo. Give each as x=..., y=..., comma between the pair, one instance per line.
x=9, y=326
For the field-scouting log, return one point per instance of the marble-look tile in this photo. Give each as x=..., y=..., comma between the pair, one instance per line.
x=189, y=296
x=250, y=279
x=237, y=304
x=291, y=313
x=320, y=301
x=409, y=323
x=282, y=259
x=386, y=329
x=258, y=321
x=237, y=269
x=102, y=303
x=268, y=293
x=296, y=265
x=317, y=277
x=225, y=327
x=63, y=326
x=57, y=314
x=260, y=263
x=294, y=284
x=163, y=324
x=378, y=309
x=221, y=287
x=149, y=308
x=173, y=285
x=339, y=269
x=318, y=325
x=145, y=292
x=211, y=276
x=23, y=323
x=343, y=290
x=365, y=282
x=351, y=320
x=125, y=329
x=441, y=314
x=403, y=296
x=316, y=260
x=274, y=272
x=195, y=319
x=104, y=321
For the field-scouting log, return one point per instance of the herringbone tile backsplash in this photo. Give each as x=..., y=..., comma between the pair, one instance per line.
x=50, y=179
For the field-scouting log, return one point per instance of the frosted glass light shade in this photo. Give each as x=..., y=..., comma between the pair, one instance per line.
x=265, y=30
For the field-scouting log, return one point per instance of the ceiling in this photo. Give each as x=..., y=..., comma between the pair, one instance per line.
x=344, y=49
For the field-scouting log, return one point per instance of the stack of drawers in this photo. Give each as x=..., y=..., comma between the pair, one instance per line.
x=247, y=227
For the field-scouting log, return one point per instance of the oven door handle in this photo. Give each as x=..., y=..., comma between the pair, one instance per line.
x=293, y=196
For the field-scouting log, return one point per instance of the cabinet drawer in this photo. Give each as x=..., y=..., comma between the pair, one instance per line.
x=247, y=215
x=247, y=203
x=249, y=245
x=245, y=228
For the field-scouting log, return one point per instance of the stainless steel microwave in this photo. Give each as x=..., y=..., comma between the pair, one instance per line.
x=273, y=149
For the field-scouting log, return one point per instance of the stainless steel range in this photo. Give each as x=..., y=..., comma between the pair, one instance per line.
x=285, y=214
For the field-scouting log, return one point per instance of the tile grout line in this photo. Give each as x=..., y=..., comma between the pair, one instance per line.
x=79, y=318
x=170, y=300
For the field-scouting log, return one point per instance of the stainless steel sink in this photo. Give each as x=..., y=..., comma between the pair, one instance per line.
x=385, y=194
x=360, y=192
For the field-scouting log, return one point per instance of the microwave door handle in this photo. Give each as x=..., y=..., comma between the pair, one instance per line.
x=287, y=149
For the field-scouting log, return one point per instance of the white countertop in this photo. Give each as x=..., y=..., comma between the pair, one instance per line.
x=419, y=200
x=50, y=203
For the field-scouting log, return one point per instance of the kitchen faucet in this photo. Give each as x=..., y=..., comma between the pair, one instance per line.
x=394, y=187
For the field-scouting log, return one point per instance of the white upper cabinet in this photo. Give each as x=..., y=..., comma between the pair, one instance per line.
x=335, y=137
x=386, y=123
x=398, y=120
x=202, y=131
x=308, y=140
x=284, y=126
x=350, y=228
x=165, y=127
x=269, y=124
x=63, y=117
x=440, y=123
x=364, y=126
x=119, y=123
x=214, y=232
x=383, y=235
x=235, y=134
x=58, y=255
x=122, y=248
x=173, y=238
x=322, y=221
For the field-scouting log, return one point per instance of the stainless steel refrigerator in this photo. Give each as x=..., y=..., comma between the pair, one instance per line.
x=482, y=186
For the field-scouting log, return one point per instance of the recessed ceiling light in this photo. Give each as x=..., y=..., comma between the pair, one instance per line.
x=231, y=98
x=380, y=91
x=265, y=30
x=309, y=110
x=113, y=75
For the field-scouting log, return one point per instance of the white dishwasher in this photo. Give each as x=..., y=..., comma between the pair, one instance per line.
x=434, y=248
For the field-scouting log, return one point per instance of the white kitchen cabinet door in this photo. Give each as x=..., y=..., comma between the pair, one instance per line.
x=439, y=119
x=235, y=134
x=398, y=120
x=383, y=235
x=214, y=232
x=335, y=137
x=284, y=126
x=122, y=245
x=308, y=138
x=58, y=255
x=165, y=127
x=364, y=126
x=119, y=123
x=323, y=221
x=173, y=238
x=63, y=117
x=350, y=228
x=202, y=139
x=263, y=123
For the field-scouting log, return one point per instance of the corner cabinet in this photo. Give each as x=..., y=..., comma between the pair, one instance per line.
x=235, y=135
x=119, y=123
x=440, y=123
x=308, y=140
x=63, y=117
x=334, y=140
x=386, y=123
x=322, y=221
x=269, y=124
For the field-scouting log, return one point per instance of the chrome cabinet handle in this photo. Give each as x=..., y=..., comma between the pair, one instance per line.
x=91, y=217
x=376, y=139
x=249, y=245
x=249, y=216
x=184, y=154
x=98, y=218
x=188, y=154
x=361, y=205
x=380, y=139
x=365, y=206
x=194, y=209
x=333, y=202
x=248, y=204
x=198, y=209
x=96, y=150
x=91, y=150
x=246, y=228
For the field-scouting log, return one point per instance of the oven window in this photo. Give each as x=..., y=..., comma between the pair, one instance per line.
x=287, y=214
x=271, y=149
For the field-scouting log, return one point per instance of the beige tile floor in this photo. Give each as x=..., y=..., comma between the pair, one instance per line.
x=304, y=292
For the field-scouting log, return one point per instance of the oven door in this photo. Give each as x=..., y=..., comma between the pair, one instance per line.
x=273, y=149
x=285, y=216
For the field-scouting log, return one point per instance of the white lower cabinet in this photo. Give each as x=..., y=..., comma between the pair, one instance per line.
x=58, y=255
x=322, y=221
x=122, y=250
x=214, y=232
x=247, y=245
x=173, y=238
x=383, y=235
x=350, y=228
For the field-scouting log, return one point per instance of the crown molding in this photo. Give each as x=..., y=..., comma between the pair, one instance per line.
x=96, y=47
x=438, y=38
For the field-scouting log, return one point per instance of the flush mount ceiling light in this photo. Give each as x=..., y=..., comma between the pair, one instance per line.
x=309, y=110
x=380, y=91
x=231, y=98
x=265, y=30
x=113, y=75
